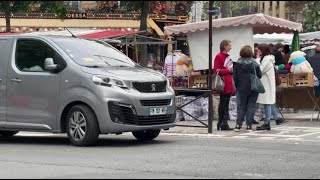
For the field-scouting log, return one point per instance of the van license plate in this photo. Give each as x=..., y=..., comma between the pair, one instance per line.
x=158, y=111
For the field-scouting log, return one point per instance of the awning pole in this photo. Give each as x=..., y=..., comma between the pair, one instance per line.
x=210, y=119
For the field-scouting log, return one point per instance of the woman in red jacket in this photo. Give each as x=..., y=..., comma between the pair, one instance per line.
x=226, y=73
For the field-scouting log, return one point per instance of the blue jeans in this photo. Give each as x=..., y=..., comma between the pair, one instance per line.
x=274, y=111
x=267, y=113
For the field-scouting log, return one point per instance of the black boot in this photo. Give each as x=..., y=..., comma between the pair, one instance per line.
x=264, y=127
x=249, y=127
x=219, y=125
x=225, y=127
x=279, y=121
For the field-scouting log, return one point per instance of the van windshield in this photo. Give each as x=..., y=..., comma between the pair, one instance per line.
x=93, y=53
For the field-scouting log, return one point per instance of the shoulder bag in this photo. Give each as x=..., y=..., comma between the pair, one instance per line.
x=256, y=84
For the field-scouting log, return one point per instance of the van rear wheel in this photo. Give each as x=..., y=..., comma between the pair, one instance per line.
x=146, y=135
x=8, y=133
x=82, y=126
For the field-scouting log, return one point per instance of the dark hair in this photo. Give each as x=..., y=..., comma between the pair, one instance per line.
x=246, y=52
x=278, y=45
x=286, y=49
x=265, y=50
x=223, y=44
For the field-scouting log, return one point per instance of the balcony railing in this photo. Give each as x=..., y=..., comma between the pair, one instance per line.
x=132, y=16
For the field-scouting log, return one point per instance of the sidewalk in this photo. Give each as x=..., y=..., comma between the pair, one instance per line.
x=299, y=119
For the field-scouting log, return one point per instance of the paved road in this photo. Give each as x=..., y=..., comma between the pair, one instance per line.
x=33, y=155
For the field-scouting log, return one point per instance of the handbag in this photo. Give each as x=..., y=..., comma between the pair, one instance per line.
x=218, y=82
x=256, y=84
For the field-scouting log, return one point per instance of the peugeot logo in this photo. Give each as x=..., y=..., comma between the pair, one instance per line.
x=153, y=87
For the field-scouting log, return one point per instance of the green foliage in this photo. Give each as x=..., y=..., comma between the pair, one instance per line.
x=9, y=7
x=235, y=8
x=57, y=7
x=311, y=13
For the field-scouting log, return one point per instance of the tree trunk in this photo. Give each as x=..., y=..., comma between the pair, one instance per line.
x=143, y=27
x=224, y=9
x=8, y=25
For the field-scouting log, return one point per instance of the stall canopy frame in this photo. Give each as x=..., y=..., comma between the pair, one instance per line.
x=132, y=39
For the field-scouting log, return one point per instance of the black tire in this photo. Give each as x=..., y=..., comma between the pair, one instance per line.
x=146, y=135
x=91, y=128
x=8, y=133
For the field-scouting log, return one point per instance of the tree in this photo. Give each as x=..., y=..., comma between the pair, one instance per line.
x=141, y=7
x=224, y=9
x=108, y=6
x=234, y=8
x=295, y=9
x=10, y=7
x=310, y=14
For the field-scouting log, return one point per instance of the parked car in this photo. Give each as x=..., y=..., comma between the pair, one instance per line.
x=80, y=87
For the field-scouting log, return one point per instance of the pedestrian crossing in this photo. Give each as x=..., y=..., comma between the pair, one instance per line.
x=285, y=133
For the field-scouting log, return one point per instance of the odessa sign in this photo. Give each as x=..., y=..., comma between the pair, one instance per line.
x=76, y=15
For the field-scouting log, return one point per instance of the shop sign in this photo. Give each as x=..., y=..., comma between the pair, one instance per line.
x=76, y=15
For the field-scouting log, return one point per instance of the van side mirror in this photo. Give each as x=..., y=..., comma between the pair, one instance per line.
x=49, y=65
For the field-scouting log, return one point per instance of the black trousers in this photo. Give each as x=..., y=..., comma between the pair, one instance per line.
x=223, y=109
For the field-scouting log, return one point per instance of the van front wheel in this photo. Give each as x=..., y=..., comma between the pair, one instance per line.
x=82, y=126
x=146, y=135
x=8, y=133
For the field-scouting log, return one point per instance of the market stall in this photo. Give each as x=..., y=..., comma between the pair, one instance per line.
x=239, y=30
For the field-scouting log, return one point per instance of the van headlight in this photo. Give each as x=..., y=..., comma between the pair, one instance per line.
x=108, y=81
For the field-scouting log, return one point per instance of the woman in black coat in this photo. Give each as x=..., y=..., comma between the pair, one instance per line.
x=246, y=99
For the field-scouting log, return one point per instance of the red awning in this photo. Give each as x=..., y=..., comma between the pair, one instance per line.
x=107, y=34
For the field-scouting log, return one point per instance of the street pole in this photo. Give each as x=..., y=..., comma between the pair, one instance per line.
x=210, y=67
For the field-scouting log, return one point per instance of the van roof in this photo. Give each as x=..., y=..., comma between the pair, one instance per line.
x=32, y=35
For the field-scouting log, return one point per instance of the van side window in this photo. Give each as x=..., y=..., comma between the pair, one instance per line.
x=31, y=54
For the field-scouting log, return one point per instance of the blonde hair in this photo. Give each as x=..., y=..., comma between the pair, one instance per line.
x=223, y=44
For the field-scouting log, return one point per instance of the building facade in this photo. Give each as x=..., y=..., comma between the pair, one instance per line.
x=289, y=10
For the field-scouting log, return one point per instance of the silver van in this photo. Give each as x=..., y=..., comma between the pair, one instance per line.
x=80, y=87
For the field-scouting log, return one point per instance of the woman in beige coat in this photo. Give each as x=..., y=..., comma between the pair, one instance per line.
x=268, y=80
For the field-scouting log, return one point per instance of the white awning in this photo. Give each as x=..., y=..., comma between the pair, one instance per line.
x=261, y=24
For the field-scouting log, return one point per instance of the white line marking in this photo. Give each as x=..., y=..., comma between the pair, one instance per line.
x=240, y=137
x=267, y=138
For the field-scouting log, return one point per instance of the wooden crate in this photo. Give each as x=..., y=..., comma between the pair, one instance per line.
x=198, y=81
x=284, y=80
x=301, y=80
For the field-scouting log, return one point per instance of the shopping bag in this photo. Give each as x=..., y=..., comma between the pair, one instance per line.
x=218, y=82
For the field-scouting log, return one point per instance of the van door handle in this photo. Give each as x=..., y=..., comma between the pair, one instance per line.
x=16, y=80
x=0, y=80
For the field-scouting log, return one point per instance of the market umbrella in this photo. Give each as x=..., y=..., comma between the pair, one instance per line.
x=295, y=46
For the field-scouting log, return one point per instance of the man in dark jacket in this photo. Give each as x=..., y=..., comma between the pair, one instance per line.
x=315, y=64
x=277, y=52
